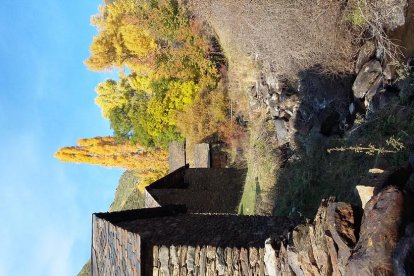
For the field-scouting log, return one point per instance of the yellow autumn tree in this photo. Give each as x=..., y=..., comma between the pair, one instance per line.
x=121, y=40
x=170, y=61
x=107, y=152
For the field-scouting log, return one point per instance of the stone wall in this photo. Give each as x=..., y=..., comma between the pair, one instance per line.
x=176, y=156
x=115, y=251
x=168, y=241
x=207, y=260
x=201, y=156
x=341, y=240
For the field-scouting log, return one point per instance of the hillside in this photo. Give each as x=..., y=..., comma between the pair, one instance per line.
x=308, y=96
x=292, y=68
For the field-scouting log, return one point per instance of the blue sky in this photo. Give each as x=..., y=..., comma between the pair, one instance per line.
x=46, y=102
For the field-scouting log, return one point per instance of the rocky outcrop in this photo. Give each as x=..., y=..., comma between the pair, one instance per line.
x=318, y=248
x=379, y=235
x=346, y=240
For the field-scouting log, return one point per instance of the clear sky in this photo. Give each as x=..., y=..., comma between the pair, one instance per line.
x=46, y=102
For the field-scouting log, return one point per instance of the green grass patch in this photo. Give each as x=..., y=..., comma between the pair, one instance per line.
x=355, y=14
x=263, y=164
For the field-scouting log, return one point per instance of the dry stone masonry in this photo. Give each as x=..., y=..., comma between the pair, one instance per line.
x=207, y=260
x=341, y=240
x=167, y=241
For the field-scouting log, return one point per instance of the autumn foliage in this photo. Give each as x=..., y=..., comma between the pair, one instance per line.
x=168, y=87
x=166, y=54
x=106, y=151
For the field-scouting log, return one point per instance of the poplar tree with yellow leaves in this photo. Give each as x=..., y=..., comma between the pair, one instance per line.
x=107, y=152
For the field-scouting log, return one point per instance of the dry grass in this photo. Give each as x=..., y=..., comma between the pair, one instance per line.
x=285, y=38
x=290, y=35
x=241, y=71
x=263, y=166
x=368, y=18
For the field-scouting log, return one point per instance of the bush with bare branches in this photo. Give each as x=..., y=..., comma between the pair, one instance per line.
x=291, y=35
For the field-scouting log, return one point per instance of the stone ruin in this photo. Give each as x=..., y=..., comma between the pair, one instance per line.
x=201, y=190
x=342, y=239
x=169, y=241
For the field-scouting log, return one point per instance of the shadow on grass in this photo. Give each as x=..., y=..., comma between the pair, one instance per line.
x=313, y=173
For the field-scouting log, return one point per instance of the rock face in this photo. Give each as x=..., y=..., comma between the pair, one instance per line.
x=346, y=240
x=176, y=155
x=318, y=248
x=282, y=131
x=368, y=75
x=329, y=245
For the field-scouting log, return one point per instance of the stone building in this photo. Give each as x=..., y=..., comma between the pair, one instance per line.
x=170, y=241
x=342, y=239
x=201, y=190
x=189, y=227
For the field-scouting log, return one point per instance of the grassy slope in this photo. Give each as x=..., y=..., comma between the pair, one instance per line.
x=249, y=37
x=127, y=195
x=262, y=163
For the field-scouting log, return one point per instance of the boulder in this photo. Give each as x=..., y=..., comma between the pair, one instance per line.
x=273, y=101
x=389, y=72
x=340, y=222
x=366, y=53
x=366, y=78
x=254, y=105
x=253, y=91
x=391, y=13
x=282, y=131
x=372, y=91
x=274, y=112
x=378, y=235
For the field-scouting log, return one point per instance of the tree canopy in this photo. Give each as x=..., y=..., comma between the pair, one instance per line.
x=166, y=55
